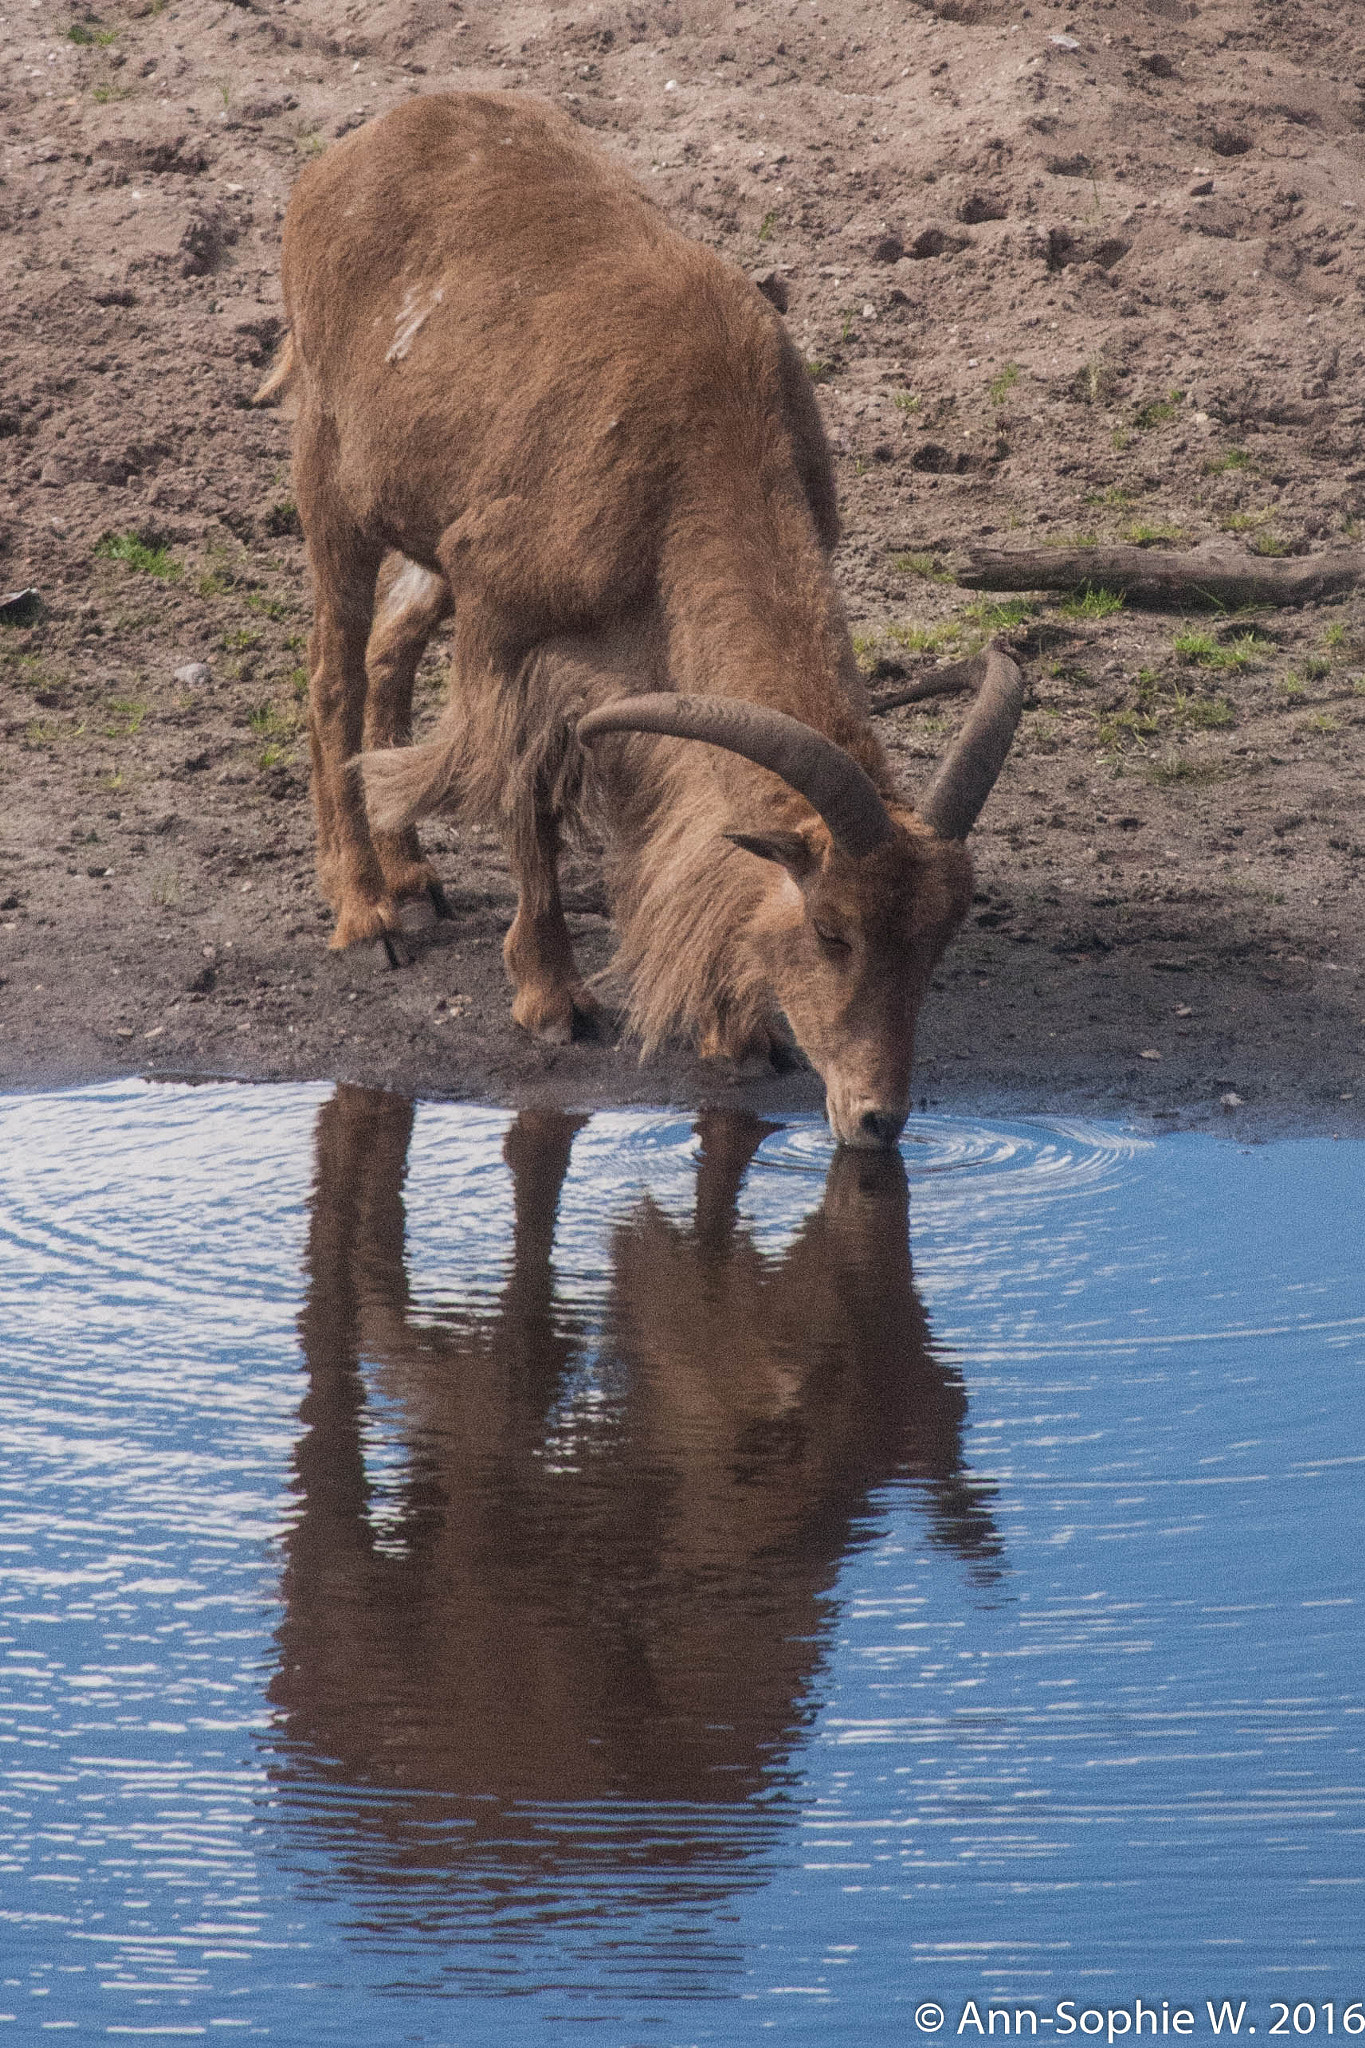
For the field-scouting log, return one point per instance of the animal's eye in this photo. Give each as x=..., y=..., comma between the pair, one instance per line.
x=832, y=940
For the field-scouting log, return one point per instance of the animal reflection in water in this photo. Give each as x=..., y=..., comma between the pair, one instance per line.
x=627, y=1597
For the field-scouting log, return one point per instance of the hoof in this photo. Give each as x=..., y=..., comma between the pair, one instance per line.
x=395, y=949
x=440, y=902
x=752, y=1050
x=361, y=920
x=559, y=1016
x=591, y=1022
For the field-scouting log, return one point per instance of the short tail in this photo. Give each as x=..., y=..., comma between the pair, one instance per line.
x=403, y=784
x=281, y=370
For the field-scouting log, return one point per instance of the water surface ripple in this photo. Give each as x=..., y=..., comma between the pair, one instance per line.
x=465, y=1574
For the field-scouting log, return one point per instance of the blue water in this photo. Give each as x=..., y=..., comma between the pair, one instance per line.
x=467, y=1579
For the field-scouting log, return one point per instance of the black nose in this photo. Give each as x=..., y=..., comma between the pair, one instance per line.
x=881, y=1125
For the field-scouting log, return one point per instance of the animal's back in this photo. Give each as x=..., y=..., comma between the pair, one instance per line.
x=503, y=330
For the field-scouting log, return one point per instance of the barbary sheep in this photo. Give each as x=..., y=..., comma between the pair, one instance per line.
x=594, y=440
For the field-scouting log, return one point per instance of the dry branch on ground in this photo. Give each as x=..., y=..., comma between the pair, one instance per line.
x=1167, y=579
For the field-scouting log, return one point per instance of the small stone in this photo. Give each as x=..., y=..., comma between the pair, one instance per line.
x=1184, y=1011
x=19, y=607
x=1202, y=189
x=194, y=675
x=1064, y=42
x=1232, y=1100
x=1150, y=1054
x=124, y=1031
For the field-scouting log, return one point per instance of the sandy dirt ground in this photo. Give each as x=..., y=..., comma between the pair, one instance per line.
x=1062, y=273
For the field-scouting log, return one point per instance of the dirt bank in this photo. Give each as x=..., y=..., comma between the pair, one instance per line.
x=1062, y=274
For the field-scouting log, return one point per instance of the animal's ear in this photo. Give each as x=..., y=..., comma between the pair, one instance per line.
x=791, y=850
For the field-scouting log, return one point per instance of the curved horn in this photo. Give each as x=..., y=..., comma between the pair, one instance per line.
x=966, y=776
x=828, y=778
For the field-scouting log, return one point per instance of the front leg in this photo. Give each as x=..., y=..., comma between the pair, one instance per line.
x=551, y=999
x=348, y=866
x=740, y=1031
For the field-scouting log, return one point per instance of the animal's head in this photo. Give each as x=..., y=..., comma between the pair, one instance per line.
x=864, y=896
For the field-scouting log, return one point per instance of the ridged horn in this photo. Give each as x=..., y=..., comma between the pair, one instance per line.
x=952, y=803
x=828, y=778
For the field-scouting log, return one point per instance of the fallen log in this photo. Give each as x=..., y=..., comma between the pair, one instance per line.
x=1212, y=576
x=950, y=680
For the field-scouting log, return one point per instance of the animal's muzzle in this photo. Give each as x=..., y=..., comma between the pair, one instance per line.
x=869, y=1126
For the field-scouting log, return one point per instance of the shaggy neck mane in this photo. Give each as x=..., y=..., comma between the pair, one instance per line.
x=750, y=610
x=679, y=894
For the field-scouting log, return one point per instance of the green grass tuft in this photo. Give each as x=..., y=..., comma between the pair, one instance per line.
x=1091, y=604
x=1246, y=522
x=1204, y=714
x=1143, y=532
x=129, y=713
x=922, y=565
x=1202, y=649
x=133, y=551
x=1158, y=410
x=925, y=639
x=1002, y=617
x=1117, y=495
x=1180, y=768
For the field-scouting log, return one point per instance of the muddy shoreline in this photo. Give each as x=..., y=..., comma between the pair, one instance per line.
x=1037, y=1031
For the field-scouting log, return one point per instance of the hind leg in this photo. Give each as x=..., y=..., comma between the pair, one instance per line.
x=410, y=609
x=345, y=563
